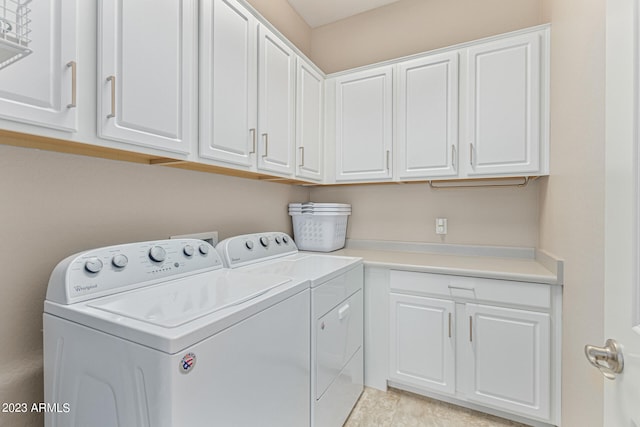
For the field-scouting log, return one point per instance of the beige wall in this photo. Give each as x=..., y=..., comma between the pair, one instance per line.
x=502, y=217
x=572, y=200
x=287, y=21
x=53, y=205
x=413, y=26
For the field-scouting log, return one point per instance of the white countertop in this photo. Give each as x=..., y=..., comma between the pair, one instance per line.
x=538, y=267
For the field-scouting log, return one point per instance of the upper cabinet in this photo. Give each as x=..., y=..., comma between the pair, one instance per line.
x=276, y=104
x=363, y=125
x=147, y=73
x=228, y=83
x=253, y=115
x=427, y=120
x=503, y=103
x=212, y=82
x=309, y=121
x=41, y=88
x=472, y=111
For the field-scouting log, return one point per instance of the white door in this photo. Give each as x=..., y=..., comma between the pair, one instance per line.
x=428, y=117
x=510, y=359
x=622, y=221
x=276, y=101
x=309, y=121
x=422, y=342
x=363, y=125
x=147, y=75
x=503, y=106
x=41, y=88
x=228, y=82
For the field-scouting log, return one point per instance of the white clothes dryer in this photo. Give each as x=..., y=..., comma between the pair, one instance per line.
x=159, y=334
x=337, y=369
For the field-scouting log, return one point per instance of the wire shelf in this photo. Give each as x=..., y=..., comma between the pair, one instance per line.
x=15, y=31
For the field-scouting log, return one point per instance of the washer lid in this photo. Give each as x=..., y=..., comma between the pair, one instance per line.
x=183, y=300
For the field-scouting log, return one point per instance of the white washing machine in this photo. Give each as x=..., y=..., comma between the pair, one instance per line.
x=336, y=315
x=159, y=334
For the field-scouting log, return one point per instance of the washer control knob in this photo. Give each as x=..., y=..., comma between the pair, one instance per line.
x=264, y=241
x=249, y=244
x=278, y=240
x=204, y=249
x=188, y=250
x=93, y=265
x=120, y=261
x=285, y=240
x=157, y=254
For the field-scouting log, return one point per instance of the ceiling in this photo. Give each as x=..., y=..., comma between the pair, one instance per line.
x=321, y=12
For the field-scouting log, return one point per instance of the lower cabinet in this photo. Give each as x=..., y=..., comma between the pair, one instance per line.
x=508, y=356
x=422, y=346
x=483, y=341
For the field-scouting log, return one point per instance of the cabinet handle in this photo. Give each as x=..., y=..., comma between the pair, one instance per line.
x=471, y=154
x=449, y=325
x=388, y=153
x=252, y=131
x=463, y=288
x=266, y=144
x=470, y=329
x=344, y=311
x=112, y=79
x=301, y=157
x=453, y=157
x=74, y=84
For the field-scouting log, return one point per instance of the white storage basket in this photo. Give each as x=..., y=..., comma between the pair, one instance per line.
x=322, y=232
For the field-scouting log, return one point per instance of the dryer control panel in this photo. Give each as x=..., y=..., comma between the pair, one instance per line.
x=250, y=248
x=104, y=271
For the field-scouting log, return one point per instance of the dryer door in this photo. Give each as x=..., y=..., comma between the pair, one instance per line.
x=338, y=338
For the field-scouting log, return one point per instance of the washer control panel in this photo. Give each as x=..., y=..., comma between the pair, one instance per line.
x=250, y=248
x=113, y=269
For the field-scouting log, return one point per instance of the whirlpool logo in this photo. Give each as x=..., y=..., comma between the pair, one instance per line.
x=187, y=363
x=79, y=288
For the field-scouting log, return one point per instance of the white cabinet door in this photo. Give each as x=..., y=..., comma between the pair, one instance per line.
x=147, y=73
x=422, y=342
x=40, y=88
x=364, y=125
x=427, y=119
x=309, y=121
x=276, y=103
x=509, y=356
x=228, y=82
x=503, y=106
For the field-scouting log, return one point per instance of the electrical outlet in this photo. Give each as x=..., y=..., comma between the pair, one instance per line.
x=441, y=225
x=210, y=237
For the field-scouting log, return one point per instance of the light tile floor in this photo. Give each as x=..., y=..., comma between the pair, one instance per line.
x=397, y=408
